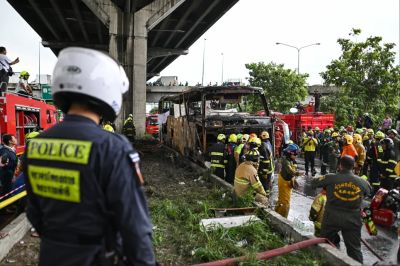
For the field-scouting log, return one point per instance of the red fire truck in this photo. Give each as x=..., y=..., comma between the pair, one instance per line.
x=20, y=115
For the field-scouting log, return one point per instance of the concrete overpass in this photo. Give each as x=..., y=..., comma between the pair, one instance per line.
x=145, y=36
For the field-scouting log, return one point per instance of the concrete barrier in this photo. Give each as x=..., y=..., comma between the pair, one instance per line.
x=16, y=230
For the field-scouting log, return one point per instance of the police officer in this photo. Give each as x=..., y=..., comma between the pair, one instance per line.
x=84, y=183
x=345, y=192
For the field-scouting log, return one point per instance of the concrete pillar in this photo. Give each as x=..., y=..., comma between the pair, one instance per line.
x=140, y=70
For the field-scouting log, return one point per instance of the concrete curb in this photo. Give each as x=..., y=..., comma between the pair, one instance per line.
x=330, y=255
x=16, y=230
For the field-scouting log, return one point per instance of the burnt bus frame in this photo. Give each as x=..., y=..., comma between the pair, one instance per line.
x=202, y=94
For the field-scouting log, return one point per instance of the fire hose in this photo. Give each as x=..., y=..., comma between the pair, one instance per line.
x=270, y=253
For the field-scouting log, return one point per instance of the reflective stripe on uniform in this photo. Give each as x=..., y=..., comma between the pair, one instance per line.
x=376, y=183
x=393, y=161
x=266, y=161
x=217, y=165
x=393, y=176
x=256, y=185
x=217, y=153
x=241, y=181
x=389, y=170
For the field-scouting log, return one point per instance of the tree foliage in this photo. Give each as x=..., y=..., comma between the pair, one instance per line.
x=283, y=87
x=368, y=79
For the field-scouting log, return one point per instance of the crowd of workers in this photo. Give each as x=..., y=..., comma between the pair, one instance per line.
x=355, y=163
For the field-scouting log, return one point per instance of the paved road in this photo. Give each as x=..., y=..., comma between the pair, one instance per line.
x=385, y=243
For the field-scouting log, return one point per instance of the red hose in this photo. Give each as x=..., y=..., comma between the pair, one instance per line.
x=270, y=253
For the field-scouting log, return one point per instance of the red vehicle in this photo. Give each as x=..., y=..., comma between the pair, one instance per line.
x=152, y=124
x=20, y=115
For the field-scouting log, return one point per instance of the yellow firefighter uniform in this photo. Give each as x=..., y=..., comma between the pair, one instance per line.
x=317, y=211
x=246, y=179
x=286, y=182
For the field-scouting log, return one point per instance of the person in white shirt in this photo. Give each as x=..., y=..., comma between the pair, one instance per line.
x=23, y=87
x=5, y=67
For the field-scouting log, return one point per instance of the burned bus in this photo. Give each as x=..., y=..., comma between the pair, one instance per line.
x=191, y=121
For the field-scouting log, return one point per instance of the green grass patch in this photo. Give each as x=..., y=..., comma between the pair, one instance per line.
x=179, y=239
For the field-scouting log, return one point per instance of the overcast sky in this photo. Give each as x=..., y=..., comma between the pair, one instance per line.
x=247, y=33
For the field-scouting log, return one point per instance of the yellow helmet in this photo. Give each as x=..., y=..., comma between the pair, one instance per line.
x=370, y=131
x=357, y=138
x=365, y=137
x=380, y=135
x=239, y=137
x=348, y=138
x=316, y=128
x=264, y=135
x=255, y=142
x=335, y=134
x=232, y=138
x=221, y=137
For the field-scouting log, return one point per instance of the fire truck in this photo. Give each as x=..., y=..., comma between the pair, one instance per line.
x=20, y=115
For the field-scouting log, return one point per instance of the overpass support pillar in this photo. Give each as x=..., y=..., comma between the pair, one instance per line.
x=144, y=20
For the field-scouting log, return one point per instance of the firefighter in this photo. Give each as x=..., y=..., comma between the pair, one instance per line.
x=239, y=151
x=108, y=127
x=345, y=193
x=309, y=146
x=392, y=133
x=93, y=204
x=23, y=87
x=368, y=142
x=278, y=141
x=357, y=141
x=217, y=156
x=230, y=166
x=287, y=179
x=246, y=178
x=334, y=152
x=128, y=128
x=387, y=165
x=325, y=146
x=317, y=211
x=374, y=156
x=348, y=147
x=266, y=168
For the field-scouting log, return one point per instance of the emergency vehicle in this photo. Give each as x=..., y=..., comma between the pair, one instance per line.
x=20, y=115
x=152, y=124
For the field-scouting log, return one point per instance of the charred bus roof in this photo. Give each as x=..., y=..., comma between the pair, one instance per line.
x=196, y=93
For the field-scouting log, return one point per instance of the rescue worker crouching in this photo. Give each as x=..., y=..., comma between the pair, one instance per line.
x=94, y=199
x=287, y=179
x=345, y=193
x=129, y=129
x=317, y=211
x=216, y=155
x=246, y=178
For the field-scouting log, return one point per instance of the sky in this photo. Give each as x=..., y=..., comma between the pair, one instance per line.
x=246, y=33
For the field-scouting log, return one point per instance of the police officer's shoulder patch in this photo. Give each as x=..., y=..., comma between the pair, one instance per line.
x=134, y=157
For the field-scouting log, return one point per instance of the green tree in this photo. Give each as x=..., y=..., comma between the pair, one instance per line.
x=283, y=88
x=368, y=79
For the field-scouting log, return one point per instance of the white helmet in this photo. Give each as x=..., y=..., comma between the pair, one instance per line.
x=90, y=77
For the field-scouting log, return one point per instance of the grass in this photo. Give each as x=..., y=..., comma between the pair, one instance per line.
x=179, y=239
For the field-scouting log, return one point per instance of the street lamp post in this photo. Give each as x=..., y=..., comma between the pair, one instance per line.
x=202, y=73
x=222, y=70
x=298, y=51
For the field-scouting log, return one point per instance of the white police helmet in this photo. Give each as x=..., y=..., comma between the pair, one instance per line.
x=91, y=77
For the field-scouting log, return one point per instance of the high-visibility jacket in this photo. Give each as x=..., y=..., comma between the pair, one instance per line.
x=216, y=152
x=348, y=149
x=238, y=151
x=361, y=153
x=246, y=178
x=317, y=209
x=310, y=144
